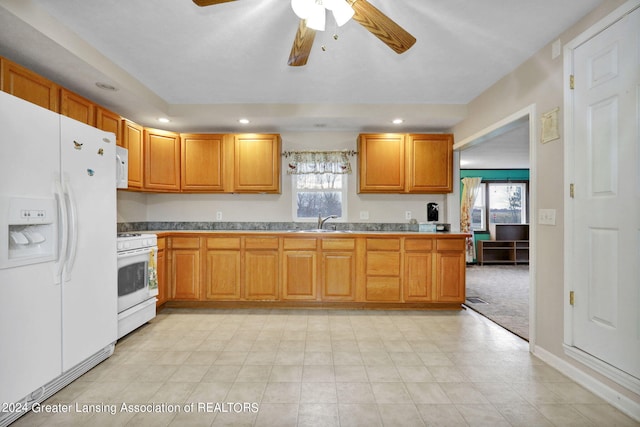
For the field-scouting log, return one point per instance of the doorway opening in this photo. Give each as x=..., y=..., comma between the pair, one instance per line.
x=500, y=272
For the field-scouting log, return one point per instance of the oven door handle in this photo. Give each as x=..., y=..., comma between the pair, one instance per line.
x=133, y=252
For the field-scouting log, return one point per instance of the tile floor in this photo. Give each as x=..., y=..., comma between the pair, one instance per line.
x=324, y=368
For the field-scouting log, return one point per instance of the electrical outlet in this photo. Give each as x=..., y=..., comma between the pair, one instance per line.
x=547, y=216
x=407, y=215
x=364, y=214
x=219, y=216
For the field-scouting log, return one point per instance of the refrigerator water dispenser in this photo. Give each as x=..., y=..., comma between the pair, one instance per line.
x=29, y=233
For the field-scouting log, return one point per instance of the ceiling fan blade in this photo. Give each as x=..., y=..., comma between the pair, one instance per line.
x=202, y=3
x=301, y=45
x=381, y=26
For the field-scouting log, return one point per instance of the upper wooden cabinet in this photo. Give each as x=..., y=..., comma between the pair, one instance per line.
x=132, y=140
x=110, y=122
x=256, y=163
x=381, y=163
x=398, y=163
x=430, y=163
x=76, y=107
x=161, y=160
x=202, y=162
x=25, y=84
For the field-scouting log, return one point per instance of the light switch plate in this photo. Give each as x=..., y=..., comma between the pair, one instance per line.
x=219, y=216
x=407, y=215
x=547, y=216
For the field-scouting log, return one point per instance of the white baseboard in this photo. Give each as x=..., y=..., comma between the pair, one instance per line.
x=615, y=399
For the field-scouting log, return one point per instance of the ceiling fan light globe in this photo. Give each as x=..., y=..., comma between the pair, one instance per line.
x=342, y=12
x=303, y=8
x=316, y=20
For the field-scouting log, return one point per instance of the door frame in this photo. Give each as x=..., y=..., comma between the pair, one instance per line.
x=597, y=365
x=530, y=113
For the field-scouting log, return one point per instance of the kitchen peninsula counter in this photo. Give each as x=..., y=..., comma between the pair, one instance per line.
x=311, y=269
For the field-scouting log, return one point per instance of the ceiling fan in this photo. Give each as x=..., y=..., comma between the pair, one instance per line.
x=365, y=14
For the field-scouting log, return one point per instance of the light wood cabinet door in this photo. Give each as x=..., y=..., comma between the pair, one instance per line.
x=418, y=270
x=299, y=275
x=450, y=270
x=382, y=163
x=161, y=160
x=27, y=85
x=202, y=159
x=256, y=163
x=78, y=108
x=110, y=122
x=338, y=276
x=222, y=277
x=132, y=140
x=185, y=268
x=261, y=275
x=430, y=163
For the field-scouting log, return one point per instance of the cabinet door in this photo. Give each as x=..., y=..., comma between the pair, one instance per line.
x=256, y=163
x=25, y=84
x=77, y=107
x=201, y=162
x=417, y=276
x=261, y=276
x=299, y=275
x=222, y=279
x=110, y=122
x=430, y=163
x=450, y=270
x=161, y=160
x=185, y=273
x=132, y=137
x=381, y=163
x=338, y=276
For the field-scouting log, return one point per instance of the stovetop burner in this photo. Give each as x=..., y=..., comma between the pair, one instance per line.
x=129, y=234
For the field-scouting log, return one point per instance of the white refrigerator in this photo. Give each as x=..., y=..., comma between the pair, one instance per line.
x=58, y=267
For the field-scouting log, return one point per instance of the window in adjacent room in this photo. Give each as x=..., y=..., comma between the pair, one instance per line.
x=500, y=203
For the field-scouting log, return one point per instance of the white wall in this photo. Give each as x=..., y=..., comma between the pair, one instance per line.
x=382, y=208
x=539, y=81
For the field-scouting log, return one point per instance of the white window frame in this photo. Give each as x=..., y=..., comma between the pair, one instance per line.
x=294, y=200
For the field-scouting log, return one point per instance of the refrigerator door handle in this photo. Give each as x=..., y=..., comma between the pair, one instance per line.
x=73, y=232
x=63, y=232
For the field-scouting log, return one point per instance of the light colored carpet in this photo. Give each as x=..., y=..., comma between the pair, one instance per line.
x=505, y=292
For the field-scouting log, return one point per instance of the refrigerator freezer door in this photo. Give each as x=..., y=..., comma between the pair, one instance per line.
x=30, y=312
x=89, y=297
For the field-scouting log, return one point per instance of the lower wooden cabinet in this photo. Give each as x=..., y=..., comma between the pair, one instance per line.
x=338, y=269
x=185, y=268
x=275, y=267
x=223, y=266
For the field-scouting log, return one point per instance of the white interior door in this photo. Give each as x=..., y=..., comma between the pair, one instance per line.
x=605, y=262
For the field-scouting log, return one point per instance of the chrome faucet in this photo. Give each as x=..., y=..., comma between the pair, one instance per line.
x=321, y=220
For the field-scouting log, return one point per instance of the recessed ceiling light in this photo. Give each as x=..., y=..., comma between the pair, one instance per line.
x=163, y=120
x=106, y=86
x=243, y=121
x=397, y=121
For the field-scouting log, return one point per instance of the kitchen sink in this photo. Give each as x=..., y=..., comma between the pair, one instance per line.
x=319, y=230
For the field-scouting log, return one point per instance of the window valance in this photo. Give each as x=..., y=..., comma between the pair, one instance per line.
x=317, y=162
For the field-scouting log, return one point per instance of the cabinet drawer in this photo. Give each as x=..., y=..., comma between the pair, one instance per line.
x=383, y=244
x=338, y=244
x=267, y=242
x=450, y=244
x=418, y=244
x=185, y=242
x=383, y=263
x=383, y=289
x=309, y=244
x=223, y=243
x=162, y=243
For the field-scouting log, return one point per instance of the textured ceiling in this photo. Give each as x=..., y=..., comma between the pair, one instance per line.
x=206, y=67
